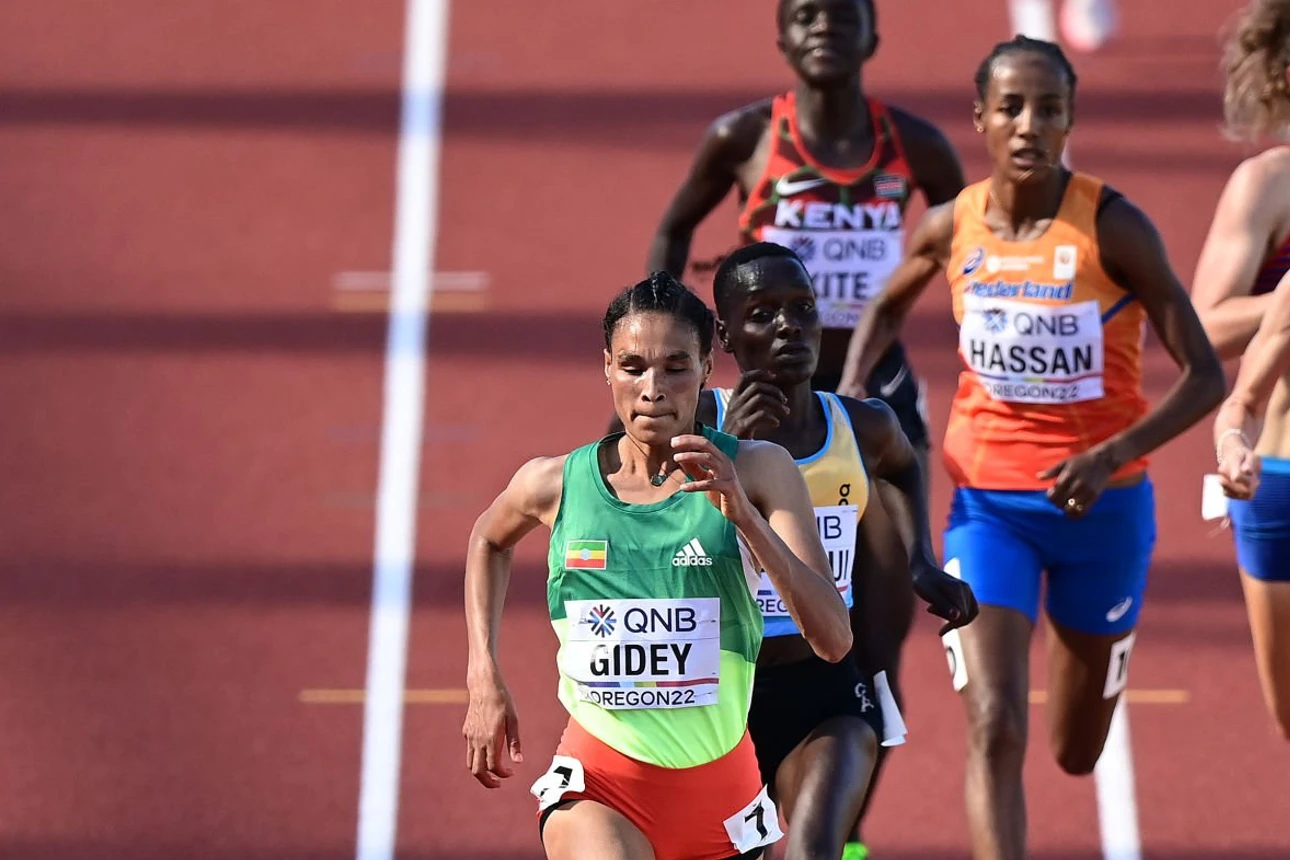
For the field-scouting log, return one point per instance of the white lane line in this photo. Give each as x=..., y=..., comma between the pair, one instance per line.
x=415, y=228
x=1117, y=805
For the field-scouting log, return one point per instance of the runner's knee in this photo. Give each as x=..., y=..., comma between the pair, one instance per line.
x=1078, y=759
x=997, y=727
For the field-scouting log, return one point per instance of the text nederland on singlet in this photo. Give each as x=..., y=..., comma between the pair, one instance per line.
x=644, y=653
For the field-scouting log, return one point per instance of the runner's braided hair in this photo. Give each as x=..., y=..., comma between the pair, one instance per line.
x=661, y=293
x=1256, y=98
x=1026, y=45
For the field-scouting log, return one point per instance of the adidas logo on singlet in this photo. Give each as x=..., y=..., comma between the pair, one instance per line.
x=692, y=555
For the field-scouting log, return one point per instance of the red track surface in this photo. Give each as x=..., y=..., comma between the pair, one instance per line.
x=190, y=429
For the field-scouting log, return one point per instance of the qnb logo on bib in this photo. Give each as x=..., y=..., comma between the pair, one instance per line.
x=837, y=527
x=848, y=267
x=1027, y=353
x=654, y=654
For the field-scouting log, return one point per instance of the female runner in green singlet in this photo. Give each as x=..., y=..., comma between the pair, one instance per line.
x=658, y=534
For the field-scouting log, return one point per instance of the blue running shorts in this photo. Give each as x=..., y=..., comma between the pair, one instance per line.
x=1001, y=542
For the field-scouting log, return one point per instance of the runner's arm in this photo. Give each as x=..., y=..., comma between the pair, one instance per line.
x=728, y=143
x=529, y=500
x=492, y=726
x=1266, y=361
x=891, y=461
x=880, y=324
x=1239, y=235
x=932, y=158
x=786, y=543
x=1134, y=256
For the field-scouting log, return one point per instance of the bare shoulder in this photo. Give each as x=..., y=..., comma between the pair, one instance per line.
x=908, y=123
x=537, y=485
x=1127, y=241
x=940, y=218
x=734, y=135
x=919, y=135
x=869, y=415
x=768, y=474
x=1125, y=233
x=760, y=460
x=1262, y=183
x=1271, y=165
x=1117, y=212
x=875, y=426
x=752, y=116
x=936, y=230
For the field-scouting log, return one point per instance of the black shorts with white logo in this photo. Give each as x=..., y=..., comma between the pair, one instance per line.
x=791, y=701
x=893, y=382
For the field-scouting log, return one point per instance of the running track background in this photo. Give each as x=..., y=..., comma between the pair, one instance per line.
x=192, y=415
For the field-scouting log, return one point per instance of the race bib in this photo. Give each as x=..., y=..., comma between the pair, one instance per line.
x=1028, y=353
x=630, y=654
x=848, y=267
x=837, y=527
x=565, y=775
x=755, y=825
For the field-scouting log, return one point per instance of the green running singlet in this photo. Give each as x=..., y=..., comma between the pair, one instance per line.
x=654, y=609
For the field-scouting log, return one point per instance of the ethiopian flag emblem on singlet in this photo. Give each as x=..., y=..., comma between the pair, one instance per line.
x=586, y=554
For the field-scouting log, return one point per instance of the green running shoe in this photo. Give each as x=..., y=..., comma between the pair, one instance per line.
x=855, y=851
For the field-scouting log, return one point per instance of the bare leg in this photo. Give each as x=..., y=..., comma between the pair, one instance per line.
x=1079, y=712
x=996, y=653
x=821, y=785
x=884, y=609
x=1268, y=607
x=586, y=830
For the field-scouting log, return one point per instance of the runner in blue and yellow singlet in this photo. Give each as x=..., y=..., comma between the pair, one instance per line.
x=817, y=726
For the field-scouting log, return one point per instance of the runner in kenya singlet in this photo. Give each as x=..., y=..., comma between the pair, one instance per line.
x=848, y=228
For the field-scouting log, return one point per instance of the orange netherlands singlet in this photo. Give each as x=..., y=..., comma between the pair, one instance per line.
x=1052, y=346
x=847, y=226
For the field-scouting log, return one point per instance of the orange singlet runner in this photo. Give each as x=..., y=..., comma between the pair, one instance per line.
x=1052, y=350
x=1052, y=346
